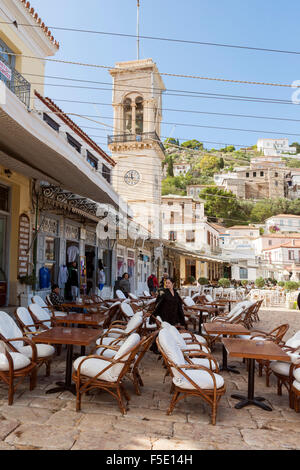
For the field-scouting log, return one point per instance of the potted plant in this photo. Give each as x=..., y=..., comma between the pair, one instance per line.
x=260, y=282
x=291, y=285
x=244, y=282
x=224, y=282
x=191, y=280
x=29, y=280
x=203, y=281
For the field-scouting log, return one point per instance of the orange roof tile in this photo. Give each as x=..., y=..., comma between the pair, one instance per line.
x=284, y=245
x=74, y=127
x=39, y=21
x=283, y=215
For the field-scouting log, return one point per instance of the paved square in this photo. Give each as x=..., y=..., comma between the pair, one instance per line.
x=40, y=421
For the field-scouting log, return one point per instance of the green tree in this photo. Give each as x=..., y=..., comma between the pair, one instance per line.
x=193, y=144
x=221, y=204
x=170, y=170
x=209, y=164
x=170, y=141
x=229, y=148
x=297, y=145
x=221, y=163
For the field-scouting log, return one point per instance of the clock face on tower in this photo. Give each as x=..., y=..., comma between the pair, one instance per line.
x=132, y=177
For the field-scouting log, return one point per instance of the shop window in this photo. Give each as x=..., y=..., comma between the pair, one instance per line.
x=77, y=146
x=93, y=161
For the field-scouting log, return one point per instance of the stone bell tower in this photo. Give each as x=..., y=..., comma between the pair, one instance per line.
x=135, y=144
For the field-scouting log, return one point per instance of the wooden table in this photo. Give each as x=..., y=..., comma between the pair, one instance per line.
x=81, y=319
x=70, y=337
x=252, y=350
x=200, y=308
x=225, y=329
x=80, y=305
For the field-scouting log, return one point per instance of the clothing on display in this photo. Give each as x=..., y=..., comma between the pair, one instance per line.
x=101, y=276
x=73, y=252
x=62, y=276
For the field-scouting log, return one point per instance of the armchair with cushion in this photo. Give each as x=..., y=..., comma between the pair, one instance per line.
x=36, y=299
x=106, y=373
x=190, y=379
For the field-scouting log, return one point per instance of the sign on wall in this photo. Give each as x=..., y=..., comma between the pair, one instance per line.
x=24, y=238
x=5, y=70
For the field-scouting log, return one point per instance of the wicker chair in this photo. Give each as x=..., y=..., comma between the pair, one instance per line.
x=105, y=373
x=296, y=388
x=283, y=371
x=133, y=373
x=36, y=299
x=16, y=360
x=190, y=379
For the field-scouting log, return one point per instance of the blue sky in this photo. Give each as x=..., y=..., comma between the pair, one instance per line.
x=269, y=24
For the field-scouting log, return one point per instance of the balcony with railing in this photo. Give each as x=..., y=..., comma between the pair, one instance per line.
x=121, y=138
x=15, y=82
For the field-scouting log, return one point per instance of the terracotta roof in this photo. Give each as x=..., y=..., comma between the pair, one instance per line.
x=281, y=235
x=74, y=127
x=284, y=245
x=217, y=227
x=242, y=227
x=39, y=21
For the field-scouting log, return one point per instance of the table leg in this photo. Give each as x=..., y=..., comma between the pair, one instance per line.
x=225, y=366
x=67, y=384
x=251, y=399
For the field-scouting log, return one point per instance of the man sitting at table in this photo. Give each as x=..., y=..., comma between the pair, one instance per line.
x=55, y=298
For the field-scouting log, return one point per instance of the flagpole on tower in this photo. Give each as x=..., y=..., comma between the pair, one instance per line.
x=138, y=30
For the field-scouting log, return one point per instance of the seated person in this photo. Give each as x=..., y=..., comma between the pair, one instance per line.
x=55, y=298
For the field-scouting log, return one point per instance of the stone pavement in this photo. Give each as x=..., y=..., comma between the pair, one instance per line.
x=39, y=421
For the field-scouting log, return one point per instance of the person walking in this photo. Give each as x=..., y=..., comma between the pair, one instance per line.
x=163, y=281
x=124, y=284
x=152, y=284
x=169, y=305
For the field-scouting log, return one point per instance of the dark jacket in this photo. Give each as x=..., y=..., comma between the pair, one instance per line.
x=124, y=285
x=169, y=307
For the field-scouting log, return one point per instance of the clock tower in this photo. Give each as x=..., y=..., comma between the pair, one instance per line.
x=135, y=143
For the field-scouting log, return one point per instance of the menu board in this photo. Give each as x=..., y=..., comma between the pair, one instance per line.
x=24, y=237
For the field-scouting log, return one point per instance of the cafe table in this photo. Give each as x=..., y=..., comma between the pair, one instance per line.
x=70, y=337
x=225, y=329
x=81, y=319
x=200, y=309
x=252, y=350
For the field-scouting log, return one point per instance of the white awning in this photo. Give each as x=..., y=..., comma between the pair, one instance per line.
x=26, y=138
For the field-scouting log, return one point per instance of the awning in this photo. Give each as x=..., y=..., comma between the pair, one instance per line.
x=26, y=138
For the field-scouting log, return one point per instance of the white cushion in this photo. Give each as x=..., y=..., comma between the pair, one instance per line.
x=25, y=317
x=202, y=378
x=296, y=384
x=202, y=361
x=41, y=314
x=9, y=329
x=171, y=349
x=43, y=350
x=19, y=361
x=127, y=309
x=120, y=294
x=135, y=321
x=92, y=366
x=188, y=301
x=296, y=374
x=199, y=338
x=114, y=332
x=108, y=340
x=282, y=368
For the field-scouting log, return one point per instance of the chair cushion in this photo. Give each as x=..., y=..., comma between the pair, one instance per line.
x=25, y=317
x=9, y=329
x=63, y=314
x=43, y=350
x=19, y=361
x=114, y=332
x=282, y=368
x=188, y=301
x=127, y=309
x=135, y=321
x=199, y=338
x=41, y=314
x=203, y=362
x=296, y=374
x=91, y=367
x=107, y=340
x=296, y=385
x=202, y=378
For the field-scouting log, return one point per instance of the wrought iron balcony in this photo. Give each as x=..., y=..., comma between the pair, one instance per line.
x=17, y=84
x=121, y=138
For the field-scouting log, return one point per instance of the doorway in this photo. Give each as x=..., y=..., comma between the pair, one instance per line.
x=91, y=268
